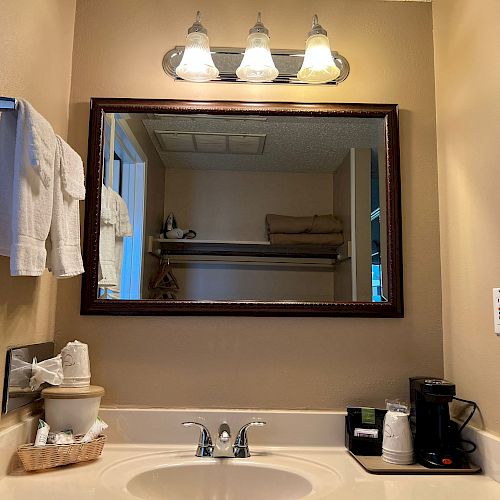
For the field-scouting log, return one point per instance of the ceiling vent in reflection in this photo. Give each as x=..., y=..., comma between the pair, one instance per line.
x=205, y=142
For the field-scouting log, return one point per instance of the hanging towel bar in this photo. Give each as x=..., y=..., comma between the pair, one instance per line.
x=7, y=103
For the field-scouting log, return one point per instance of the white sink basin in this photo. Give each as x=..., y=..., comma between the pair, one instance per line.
x=219, y=481
x=181, y=476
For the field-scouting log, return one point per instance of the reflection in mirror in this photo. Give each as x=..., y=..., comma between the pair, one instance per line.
x=243, y=208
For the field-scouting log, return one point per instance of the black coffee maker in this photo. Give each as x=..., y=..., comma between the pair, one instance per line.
x=436, y=436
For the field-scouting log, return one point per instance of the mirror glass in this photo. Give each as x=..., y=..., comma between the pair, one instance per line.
x=243, y=208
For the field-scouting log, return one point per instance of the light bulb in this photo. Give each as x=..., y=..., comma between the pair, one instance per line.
x=318, y=65
x=257, y=64
x=197, y=64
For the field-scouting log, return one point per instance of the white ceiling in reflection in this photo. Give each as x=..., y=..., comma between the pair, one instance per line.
x=292, y=144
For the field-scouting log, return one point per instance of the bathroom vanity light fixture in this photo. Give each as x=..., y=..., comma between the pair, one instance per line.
x=197, y=64
x=318, y=65
x=258, y=63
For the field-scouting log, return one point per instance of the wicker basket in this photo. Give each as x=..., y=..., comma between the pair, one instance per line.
x=54, y=455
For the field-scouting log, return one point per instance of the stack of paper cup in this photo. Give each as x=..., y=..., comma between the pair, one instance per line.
x=76, y=365
x=397, y=443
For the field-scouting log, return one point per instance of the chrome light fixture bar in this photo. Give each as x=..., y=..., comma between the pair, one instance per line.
x=228, y=59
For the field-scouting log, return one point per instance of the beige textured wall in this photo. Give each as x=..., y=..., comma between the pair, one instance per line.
x=232, y=205
x=467, y=41
x=283, y=362
x=36, y=41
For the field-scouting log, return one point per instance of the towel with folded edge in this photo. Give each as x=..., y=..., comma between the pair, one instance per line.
x=315, y=224
x=123, y=228
x=32, y=191
x=42, y=144
x=64, y=258
x=306, y=239
x=115, y=225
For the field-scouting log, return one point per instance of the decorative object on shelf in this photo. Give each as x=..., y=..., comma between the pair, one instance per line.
x=197, y=64
x=257, y=64
x=319, y=65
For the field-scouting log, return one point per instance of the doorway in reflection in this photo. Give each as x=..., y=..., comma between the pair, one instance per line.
x=122, y=213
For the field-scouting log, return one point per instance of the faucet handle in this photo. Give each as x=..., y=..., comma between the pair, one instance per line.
x=241, y=443
x=205, y=447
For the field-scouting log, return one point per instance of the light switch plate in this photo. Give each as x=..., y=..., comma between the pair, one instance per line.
x=496, y=309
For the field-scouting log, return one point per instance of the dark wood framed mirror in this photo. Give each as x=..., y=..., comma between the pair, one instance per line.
x=242, y=208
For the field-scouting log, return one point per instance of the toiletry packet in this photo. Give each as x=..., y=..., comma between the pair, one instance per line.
x=97, y=427
x=42, y=433
x=64, y=437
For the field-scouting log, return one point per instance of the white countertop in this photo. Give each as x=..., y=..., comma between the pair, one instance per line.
x=83, y=481
x=295, y=440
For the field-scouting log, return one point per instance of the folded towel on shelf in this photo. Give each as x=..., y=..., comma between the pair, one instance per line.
x=32, y=191
x=64, y=258
x=315, y=224
x=306, y=239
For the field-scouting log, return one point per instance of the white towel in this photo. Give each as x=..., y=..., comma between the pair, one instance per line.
x=65, y=258
x=115, y=225
x=32, y=191
x=42, y=144
x=122, y=228
x=107, y=271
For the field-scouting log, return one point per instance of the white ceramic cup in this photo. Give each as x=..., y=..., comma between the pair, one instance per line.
x=397, y=442
x=76, y=365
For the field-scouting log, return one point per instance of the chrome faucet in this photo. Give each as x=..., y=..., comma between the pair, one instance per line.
x=205, y=446
x=240, y=448
x=223, y=447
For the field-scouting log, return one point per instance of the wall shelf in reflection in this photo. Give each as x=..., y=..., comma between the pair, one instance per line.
x=287, y=262
x=246, y=248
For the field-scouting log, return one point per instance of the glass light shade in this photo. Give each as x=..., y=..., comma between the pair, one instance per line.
x=257, y=64
x=197, y=64
x=318, y=65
